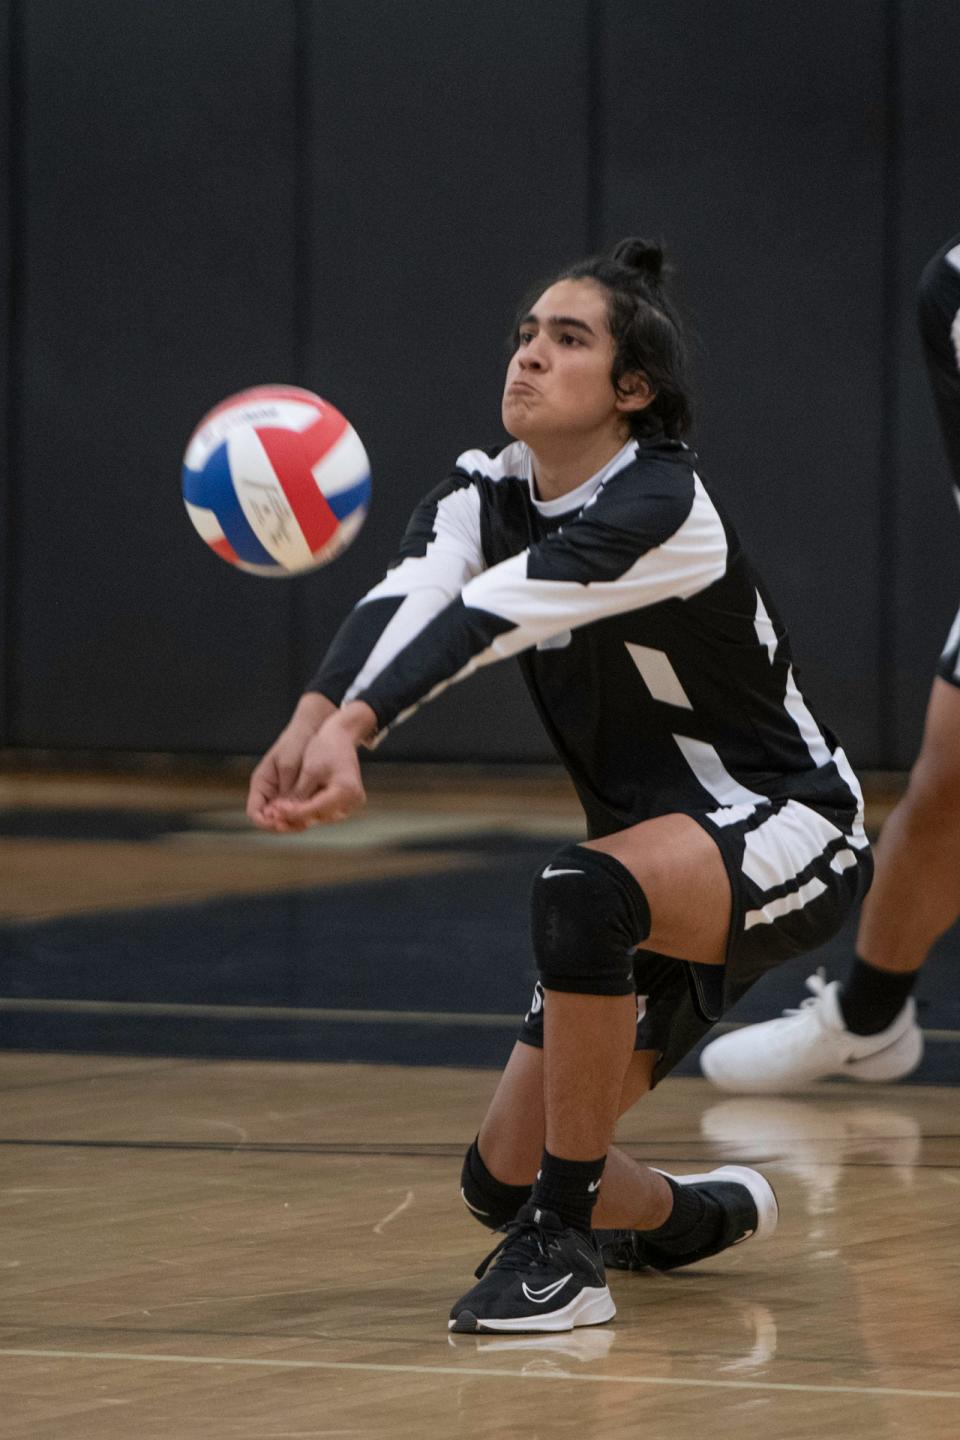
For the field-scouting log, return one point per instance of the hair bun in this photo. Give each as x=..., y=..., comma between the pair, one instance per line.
x=643, y=255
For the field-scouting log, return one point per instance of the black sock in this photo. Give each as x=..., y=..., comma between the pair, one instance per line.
x=695, y=1220
x=871, y=999
x=569, y=1188
x=492, y=1201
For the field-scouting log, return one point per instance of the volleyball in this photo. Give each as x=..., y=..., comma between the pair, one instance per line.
x=276, y=480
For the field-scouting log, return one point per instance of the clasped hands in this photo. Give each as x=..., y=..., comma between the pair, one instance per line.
x=311, y=774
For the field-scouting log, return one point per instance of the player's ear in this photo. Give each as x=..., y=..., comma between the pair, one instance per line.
x=634, y=392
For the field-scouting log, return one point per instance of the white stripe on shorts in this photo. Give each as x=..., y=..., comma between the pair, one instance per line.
x=772, y=911
x=779, y=849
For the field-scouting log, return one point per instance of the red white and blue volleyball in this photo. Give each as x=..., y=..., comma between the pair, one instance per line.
x=276, y=480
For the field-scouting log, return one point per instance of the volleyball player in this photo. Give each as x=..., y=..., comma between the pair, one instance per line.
x=867, y=1029
x=725, y=825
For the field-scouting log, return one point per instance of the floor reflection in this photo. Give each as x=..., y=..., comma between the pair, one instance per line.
x=815, y=1142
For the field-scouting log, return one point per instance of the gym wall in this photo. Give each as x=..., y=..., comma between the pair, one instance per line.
x=352, y=197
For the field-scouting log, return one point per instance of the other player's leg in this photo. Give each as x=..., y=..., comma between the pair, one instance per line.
x=867, y=1030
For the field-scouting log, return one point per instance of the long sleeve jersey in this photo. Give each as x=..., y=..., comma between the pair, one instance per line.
x=657, y=662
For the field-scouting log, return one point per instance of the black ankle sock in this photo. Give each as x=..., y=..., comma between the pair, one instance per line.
x=871, y=999
x=695, y=1220
x=569, y=1188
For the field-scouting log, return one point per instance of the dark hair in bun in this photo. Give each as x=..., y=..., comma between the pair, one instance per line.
x=646, y=331
x=643, y=255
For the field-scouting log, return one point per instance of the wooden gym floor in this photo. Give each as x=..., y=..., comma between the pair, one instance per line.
x=217, y=1223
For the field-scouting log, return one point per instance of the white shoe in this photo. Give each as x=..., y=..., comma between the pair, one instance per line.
x=811, y=1043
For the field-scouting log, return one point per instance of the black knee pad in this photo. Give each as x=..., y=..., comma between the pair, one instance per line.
x=588, y=916
x=488, y=1199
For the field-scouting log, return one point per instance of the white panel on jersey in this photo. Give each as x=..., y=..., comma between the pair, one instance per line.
x=858, y=835
x=764, y=628
x=782, y=846
x=713, y=775
x=512, y=460
x=659, y=675
x=692, y=558
x=515, y=461
x=557, y=642
x=842, y=861
x=810, y=733
x=417, y=610
x=428, y=582
x=731, y=814
x=443, y=571
x=772, y=911
x=952, y=638
x=953, y=260
x=451, y=559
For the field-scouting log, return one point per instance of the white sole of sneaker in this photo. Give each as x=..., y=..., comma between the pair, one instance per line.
x=891, y=1063
x=761, y=1192
x=590, y=1307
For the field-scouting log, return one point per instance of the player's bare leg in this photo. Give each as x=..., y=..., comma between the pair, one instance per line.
x=915, y=895
x=588, y=1066
x=513, y=1134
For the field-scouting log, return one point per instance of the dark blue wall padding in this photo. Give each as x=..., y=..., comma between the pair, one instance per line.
x=352, y=198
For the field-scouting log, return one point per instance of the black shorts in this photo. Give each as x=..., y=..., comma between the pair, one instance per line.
x=795, y=875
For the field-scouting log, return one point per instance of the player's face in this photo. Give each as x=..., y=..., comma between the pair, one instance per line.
x=558, y=381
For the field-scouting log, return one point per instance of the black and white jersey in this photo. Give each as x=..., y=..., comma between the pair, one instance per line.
x=653, y=655
x=938, y=304
x=938, y=313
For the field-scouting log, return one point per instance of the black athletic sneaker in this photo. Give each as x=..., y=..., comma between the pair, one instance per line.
x=749, y=1209
x=545, y=1278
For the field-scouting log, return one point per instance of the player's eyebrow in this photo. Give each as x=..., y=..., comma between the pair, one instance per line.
x=559, y=322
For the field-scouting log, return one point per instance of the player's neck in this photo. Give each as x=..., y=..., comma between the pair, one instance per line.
x=560, y=469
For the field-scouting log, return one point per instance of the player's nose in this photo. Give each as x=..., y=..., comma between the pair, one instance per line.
x=531, y=357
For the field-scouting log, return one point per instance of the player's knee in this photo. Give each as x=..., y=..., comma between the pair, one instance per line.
x=589, y=914
x=490, y=1201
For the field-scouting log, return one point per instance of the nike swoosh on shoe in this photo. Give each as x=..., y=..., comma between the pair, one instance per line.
x=540, y=1297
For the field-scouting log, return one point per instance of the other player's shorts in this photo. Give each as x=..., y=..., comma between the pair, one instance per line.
x=938, y=314
x=949, y=666
x=795, y=875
